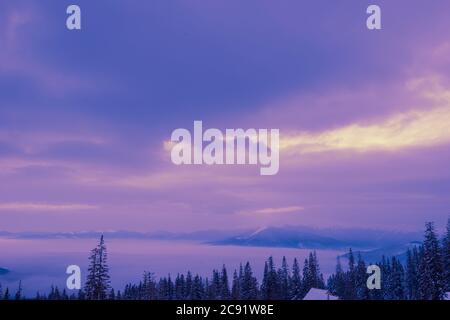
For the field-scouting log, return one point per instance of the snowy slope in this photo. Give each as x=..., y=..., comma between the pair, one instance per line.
x=319, y=294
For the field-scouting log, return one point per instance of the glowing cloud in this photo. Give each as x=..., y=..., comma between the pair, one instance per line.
x=22, y=206
x=271, y=211
x=414, y=128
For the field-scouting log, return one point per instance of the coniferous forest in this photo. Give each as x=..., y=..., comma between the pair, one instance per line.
x=424, y=276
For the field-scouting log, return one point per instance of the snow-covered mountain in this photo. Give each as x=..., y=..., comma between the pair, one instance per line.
x=304, y=237
x=3, y=271
x=285, y=236
x=203, y=235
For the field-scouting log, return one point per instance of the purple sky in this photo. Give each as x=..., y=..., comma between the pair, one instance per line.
x=84, y=115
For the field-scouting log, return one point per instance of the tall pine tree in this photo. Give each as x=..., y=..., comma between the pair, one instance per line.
x=412, y=274
x=284, y=280
x=249, y=284
x=98, y=281
x=224, y=285
x=431, y=281
x=296, y=281
x=446, y=257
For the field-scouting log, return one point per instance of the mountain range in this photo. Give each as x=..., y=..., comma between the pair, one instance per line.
x=285, y=236
x=3, y=271
x=311, y=238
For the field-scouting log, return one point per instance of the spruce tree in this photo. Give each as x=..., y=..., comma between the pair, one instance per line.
x=179, y=287
x=412, y=274
x=386, y=272
x=149, y=291
x=163, y=289
x=98, y=281
x=296, y=281
x=112, y=294
x=64, y=295
x=313, y=272
x=446, y=257
x=224, y=285
x=235, y=287
x=396, y=280
x=284, y=280
x=249, y=284
x=306, y=279
x=18, y=295
x=431, y=281
x=170, y=288
x=350, y=283
x=362, y=292
x=197, y=290
x=270, y=290
x=214, y=289
x=339, y=281
x=188, y=288
x=145, y=286
x=314, y=269
x=81, y=295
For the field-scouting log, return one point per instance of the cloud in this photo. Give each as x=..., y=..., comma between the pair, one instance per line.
x=191, y=176
x=18, y=29
x=412, y=128
x=271, y=211
x=32, y=142
x=16, y=20
x=30, y=206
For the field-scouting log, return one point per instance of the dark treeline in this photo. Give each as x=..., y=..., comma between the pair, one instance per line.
x=281, y=283
x=424, y=276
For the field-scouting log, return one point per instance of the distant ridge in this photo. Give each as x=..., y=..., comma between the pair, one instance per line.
x=289, y=237
x=284, y=237
x=310, y=238
x=3, y=271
